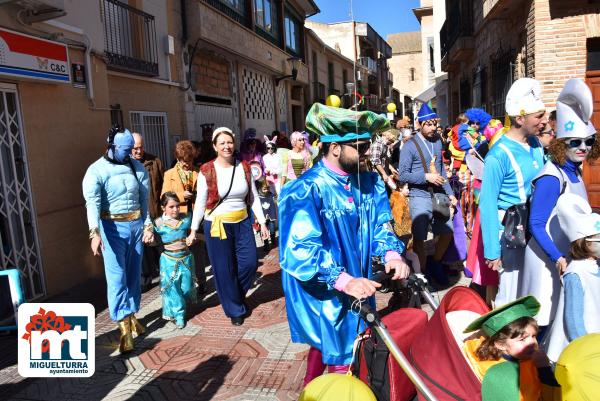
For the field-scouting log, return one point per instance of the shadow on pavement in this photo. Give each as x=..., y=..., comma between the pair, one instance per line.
x=201, y=384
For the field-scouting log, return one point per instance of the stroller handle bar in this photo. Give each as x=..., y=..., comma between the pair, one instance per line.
x=372, y=319
x=417, y=283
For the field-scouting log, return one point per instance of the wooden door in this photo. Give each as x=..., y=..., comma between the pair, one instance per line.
x=591, y=172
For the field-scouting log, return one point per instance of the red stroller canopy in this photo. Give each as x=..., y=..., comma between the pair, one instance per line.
x=436, y=355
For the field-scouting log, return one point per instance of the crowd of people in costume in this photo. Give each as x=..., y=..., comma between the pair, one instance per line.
x=506, y=202
x=146, y=220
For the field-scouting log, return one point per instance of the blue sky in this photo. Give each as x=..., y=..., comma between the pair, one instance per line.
x=385, y=16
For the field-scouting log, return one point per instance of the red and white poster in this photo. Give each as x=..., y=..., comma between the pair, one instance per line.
x=26, y=56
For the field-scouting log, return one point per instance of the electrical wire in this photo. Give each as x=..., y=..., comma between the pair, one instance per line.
x=190, y=63
x=357, y=202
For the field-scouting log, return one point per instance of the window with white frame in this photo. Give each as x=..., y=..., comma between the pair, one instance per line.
x=153, y=128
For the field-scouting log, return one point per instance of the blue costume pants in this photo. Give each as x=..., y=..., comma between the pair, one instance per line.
x=234, y=263
x=122, y=265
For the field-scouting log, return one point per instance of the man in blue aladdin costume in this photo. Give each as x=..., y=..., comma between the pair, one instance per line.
x=333, y=220
x=115, y=188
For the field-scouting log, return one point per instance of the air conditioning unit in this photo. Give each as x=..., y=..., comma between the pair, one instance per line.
x=39, y=10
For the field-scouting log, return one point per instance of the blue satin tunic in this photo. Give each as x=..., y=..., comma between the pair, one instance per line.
x=329, y=225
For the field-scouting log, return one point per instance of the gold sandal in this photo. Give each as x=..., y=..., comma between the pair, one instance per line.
x=137, y=327
x=126, y=340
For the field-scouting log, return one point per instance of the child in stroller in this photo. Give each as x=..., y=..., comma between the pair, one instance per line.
x=448, y=361
x=503, y=357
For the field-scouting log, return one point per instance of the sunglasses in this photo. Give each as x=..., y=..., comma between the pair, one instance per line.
x=361, y=147
x=474, y=123
x=575, y=143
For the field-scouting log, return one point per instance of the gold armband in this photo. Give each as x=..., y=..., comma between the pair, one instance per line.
x=149, y=227
x=94, y=232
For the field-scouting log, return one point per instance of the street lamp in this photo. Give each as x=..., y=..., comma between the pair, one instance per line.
x=294, y=62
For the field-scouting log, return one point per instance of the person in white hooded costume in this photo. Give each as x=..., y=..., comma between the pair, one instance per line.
x=547, y=252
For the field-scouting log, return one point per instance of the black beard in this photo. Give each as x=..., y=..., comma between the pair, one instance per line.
x=349, y=166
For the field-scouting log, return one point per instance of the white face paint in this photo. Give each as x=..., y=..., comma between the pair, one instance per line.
x=578, y=153
x=595, y=246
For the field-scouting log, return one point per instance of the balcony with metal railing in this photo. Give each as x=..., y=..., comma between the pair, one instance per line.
x=129, y=38
x=369, y=63
x=456, y=35
x=234, y=9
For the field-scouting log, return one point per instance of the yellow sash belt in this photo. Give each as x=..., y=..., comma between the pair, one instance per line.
x=218, y=230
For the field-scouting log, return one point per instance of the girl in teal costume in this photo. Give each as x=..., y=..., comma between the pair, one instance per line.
x=177, y=275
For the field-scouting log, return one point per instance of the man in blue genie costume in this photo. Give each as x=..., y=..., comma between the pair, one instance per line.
x=115, y=188
x=333, y=220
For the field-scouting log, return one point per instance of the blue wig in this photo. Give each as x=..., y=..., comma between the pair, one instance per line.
x=480, y=116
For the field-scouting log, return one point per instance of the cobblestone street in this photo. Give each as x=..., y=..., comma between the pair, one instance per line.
x=208, y=360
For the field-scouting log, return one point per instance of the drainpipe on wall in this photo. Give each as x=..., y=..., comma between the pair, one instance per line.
x=88, y=58
x=184, y=35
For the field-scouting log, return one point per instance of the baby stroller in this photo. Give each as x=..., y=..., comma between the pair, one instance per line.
x=380, y=359
x=440, y=361
x=436, y=367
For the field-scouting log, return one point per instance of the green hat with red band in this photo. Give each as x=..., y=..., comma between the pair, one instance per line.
x=493, y=321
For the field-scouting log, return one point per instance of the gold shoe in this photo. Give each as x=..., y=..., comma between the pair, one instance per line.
x=126, y=341
x=137, y=327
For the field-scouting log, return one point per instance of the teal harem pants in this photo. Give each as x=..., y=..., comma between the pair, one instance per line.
x=234, y=263
x=177, y=283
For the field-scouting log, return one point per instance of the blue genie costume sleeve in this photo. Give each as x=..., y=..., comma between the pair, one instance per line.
x=303, y=246
x=92, y=194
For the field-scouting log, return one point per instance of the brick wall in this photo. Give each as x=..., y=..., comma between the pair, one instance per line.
x=547, y=41
x=211, y=75
x=560, y=45
x=530, y=42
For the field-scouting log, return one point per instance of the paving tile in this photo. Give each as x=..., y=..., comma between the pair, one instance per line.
x=250, y=394
x=275, y=340
x=207, y=360
x=162, y=352
x=128, y=387
x=199, y=368
x=71, y=389
x=161, y=390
